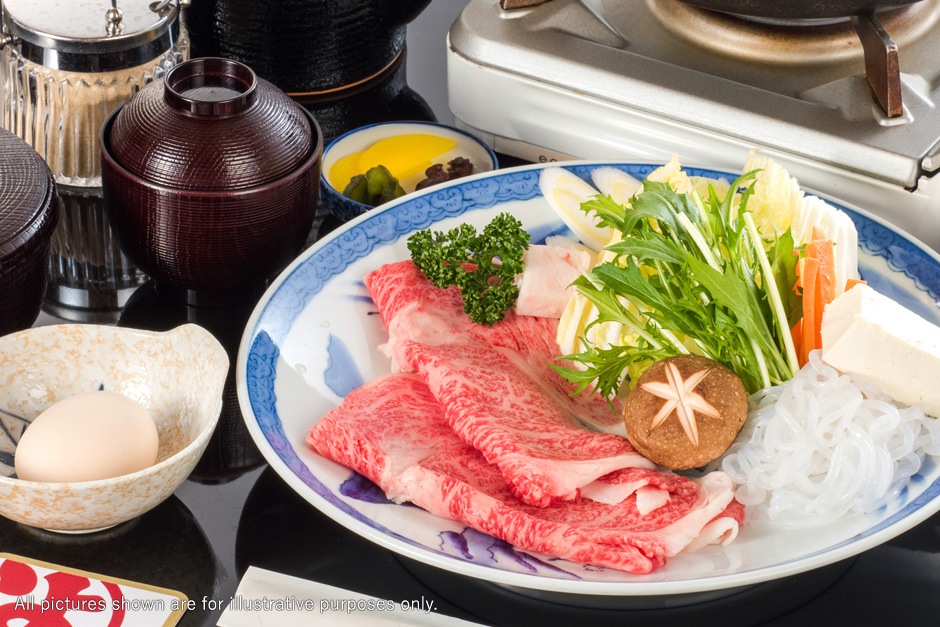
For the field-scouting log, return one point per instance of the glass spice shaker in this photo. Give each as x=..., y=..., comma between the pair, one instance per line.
x=65, y=65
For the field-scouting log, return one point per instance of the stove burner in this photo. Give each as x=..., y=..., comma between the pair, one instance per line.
x=774, y=40
x=788, y=42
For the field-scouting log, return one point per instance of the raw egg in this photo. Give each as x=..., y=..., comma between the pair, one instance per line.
x=86, y=437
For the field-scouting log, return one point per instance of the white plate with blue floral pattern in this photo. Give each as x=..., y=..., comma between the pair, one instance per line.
x=314, y=335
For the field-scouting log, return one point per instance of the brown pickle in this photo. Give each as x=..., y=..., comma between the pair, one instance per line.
x=458, y=167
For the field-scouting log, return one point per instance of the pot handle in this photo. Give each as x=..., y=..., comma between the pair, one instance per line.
x=161, y=5
x=881, y=63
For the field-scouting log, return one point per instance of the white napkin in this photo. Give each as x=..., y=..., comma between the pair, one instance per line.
x=268, y=599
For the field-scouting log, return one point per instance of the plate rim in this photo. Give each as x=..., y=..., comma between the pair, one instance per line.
x=826, y=556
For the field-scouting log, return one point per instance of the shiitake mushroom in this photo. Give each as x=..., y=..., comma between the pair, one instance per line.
x=685, y=411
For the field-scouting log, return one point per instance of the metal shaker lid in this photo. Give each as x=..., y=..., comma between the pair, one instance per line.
x=91, y=35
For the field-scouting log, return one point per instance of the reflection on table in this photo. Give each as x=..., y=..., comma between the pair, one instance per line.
x=166, y=547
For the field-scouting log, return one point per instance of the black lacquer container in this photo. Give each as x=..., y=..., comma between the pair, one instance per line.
x=305, y=47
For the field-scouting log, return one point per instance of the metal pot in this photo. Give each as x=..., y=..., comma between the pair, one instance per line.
x=799, y=9
x=305, y=47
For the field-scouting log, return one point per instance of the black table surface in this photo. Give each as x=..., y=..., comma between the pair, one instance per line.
x=235, y=512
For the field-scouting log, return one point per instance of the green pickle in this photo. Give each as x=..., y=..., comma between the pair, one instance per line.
x=375, y=187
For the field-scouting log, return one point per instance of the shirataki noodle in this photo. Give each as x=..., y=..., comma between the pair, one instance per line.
x=825, y=444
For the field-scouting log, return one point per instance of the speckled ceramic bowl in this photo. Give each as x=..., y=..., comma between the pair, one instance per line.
x=177, y=375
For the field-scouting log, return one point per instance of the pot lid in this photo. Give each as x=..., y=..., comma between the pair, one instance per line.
x=91, y=35
x=210, y=125
x=27, y=194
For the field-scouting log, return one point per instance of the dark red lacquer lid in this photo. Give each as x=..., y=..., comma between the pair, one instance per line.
x=28, y=215
x=27, y=194
x=211, y=125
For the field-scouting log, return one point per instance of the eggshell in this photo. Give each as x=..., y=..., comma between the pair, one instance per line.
x=88, y=436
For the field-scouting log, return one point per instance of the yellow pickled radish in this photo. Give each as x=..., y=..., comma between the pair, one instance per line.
x=405, y=155
x=343, y=171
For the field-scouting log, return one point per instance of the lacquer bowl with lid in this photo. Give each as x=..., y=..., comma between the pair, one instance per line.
x=211, y=177
x=29, y=210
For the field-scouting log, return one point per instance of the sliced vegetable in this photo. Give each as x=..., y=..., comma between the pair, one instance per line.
x=616, y=183
x=784, y=261
x=796, y=334
x=818, y=218
x=402, y=155
x=697, y=265
x=375, y=187
x=810, y=338
x=344, y=170
x=565, y=192
x=673, y=175
x=778, y=203
x=818, y=281
x=405, y=155
x=821, y=250
x=853, y=282
x=777, y=196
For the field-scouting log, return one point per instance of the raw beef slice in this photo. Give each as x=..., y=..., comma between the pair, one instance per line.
x=520, y=418
x=393, y=431
x=414, y=310
x=498, y=390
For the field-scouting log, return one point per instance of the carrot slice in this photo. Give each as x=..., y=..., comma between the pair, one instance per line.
x=816, y=272
x=850, y=283
x=809, y=329
x=796, y=333
x=821, y=250
x=824, y=296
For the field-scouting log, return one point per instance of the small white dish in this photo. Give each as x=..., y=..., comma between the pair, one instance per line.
x=177, y=376
x=357, y=140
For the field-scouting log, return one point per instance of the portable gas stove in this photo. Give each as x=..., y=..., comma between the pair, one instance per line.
x=647, y=79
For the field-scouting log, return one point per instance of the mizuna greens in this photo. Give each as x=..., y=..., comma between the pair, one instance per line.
x=690, y=274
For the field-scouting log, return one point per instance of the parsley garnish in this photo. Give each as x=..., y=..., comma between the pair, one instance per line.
x=483, y=266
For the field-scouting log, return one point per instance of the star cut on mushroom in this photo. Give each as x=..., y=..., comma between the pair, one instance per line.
x=681, y=398
x=685, y=411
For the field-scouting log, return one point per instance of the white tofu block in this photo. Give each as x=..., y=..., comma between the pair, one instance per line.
x=866, y=333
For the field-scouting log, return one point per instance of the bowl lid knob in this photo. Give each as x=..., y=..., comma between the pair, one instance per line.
x=210, y=87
